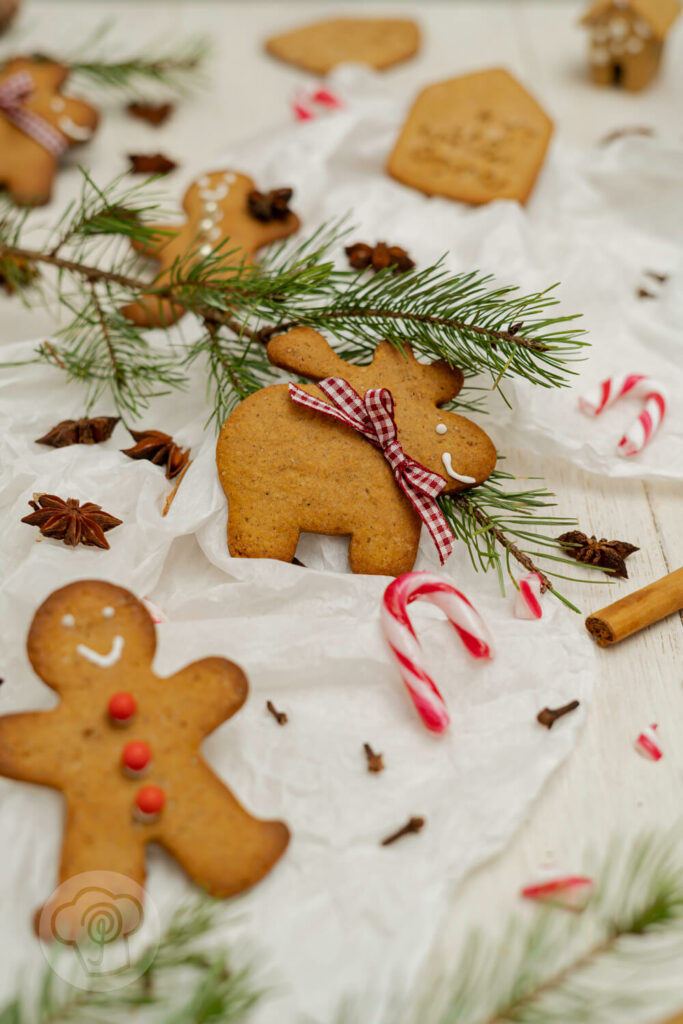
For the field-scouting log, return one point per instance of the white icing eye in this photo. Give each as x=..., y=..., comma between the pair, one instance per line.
x=441, y=428
x=229, y=177
x=68, y=620
x=108, y=612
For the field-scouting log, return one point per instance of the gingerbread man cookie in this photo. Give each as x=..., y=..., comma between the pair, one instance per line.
x=37, y=125
x=218, y=209
x=287, y=469
x=123, y=747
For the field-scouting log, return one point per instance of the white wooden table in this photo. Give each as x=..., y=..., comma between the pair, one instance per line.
x=601, y=790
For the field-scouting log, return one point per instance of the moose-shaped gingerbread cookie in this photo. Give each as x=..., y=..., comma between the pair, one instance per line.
x=123, y=746
x=286, y=468
x=37, y=125
x=218, y=213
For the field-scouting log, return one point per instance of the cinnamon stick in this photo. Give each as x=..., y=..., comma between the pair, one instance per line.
x=636, y=611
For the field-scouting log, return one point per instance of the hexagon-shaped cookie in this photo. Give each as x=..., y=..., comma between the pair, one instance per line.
x=379, y=42
x=475, y=138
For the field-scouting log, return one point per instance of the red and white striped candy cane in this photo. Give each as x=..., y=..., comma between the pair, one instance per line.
x=528, y=597
x=651, y=416
x=400, y=634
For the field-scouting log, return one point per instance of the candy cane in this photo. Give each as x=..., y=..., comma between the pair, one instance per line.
x=647, y=744
x=406, y=648
x=572, y=892
x=527, y=598
x=644, y=428
x=305, y=101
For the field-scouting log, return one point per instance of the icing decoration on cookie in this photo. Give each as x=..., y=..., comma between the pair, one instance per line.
x=149, y=803
x=186, y=807
x=406, y=648
x=446, y=458
x=135, y=758
x=103, y=660
x=218, y=221
x=441, y=428
x=68, y=621
x=33, y=110
x=341, y=477
x=108, y=612
x=78, y=132
x=122, y=706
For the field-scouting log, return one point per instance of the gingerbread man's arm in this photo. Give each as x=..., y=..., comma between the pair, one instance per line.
x=27, y=749
x=209, y=692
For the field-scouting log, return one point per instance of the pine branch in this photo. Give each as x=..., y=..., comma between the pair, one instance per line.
x=177, y=68
x=461, y=318
x=574, y=969
x=178, y=982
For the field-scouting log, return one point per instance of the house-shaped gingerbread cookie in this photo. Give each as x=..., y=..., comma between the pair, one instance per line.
x=627, y=39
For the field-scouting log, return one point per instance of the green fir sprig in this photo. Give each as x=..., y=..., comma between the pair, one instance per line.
x=554, y=967
x=101, y=63
x=465, y=319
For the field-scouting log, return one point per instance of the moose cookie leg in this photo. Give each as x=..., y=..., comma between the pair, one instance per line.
x=385, y=549
x=265, y=535
x=236, y=851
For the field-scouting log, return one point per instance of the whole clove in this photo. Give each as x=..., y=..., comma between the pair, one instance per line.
x=548, y=716
x=411, y=827
x=375, y=761
x=279, y=716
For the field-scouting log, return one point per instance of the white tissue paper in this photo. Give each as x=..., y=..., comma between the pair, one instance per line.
x=340, y=916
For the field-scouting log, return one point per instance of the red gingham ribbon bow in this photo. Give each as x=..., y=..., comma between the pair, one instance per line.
x=13, y=92
x=373, y=417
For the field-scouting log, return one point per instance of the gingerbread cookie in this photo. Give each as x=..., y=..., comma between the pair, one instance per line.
x=123, y=746
x=475, y=138
x=217, y=208
x=287, y=469
x=37, y=125
x=379, y=42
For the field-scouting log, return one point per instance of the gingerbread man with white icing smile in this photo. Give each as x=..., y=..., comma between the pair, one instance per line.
x=123, y=748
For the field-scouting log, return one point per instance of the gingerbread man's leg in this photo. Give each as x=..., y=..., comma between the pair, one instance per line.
x=236, y=850
x=268, y=534
x=150, y=310
x=101, y=874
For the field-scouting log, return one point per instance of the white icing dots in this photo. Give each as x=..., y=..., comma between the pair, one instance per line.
x=215, y=193
x=108, y=612
x=618, y=28
x=441, y=428
x=206, y=224
x=642, y=29
x=204, y=182
x=230, y=178
x=205, y=250
x=599, y=56
x=210, y=207
x=634, y=45
x=68, y=621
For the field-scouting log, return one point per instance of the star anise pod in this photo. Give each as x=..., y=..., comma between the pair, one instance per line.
x=607, y=554
x=150, y=163
x=378, y=257
x=83, y=431
x=152, y=113
x=273, y=205
x=160, y=449
x=69, y=521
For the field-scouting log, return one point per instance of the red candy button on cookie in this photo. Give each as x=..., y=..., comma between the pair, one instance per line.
x=149, y=803
x=135, y=757
x=122, y=706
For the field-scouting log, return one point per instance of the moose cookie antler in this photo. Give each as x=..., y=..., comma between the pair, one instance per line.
x=218, y=210
x=288, y=468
